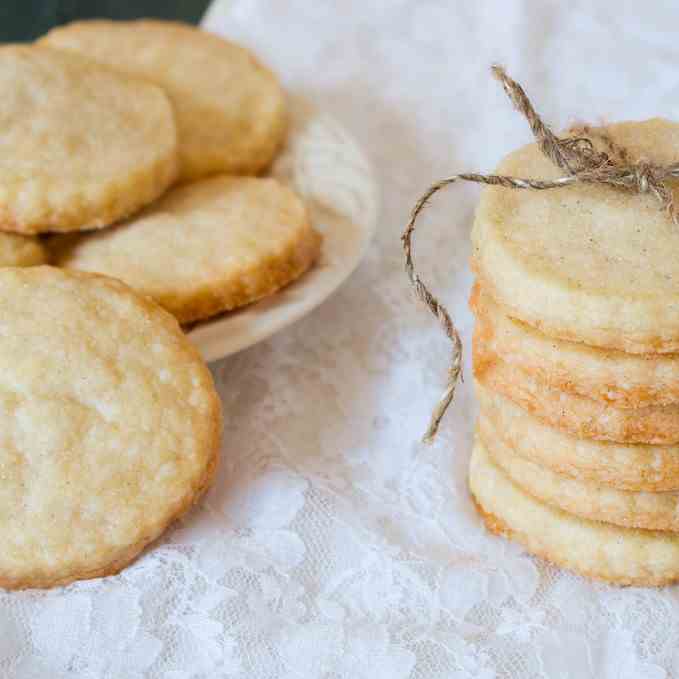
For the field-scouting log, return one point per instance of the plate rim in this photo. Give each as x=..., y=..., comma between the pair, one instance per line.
x=210, y=351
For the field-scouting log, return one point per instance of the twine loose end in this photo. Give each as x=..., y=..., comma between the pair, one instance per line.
x=580, y=161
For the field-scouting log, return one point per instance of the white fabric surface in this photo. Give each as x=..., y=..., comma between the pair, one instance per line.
x=334, y=544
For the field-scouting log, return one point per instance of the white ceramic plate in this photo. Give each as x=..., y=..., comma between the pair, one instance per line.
x=326, y=167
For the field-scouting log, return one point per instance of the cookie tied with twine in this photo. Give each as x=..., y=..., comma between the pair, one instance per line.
x=580, y=162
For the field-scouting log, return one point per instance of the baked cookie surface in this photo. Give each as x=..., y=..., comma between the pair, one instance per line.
x=587, y=262
x=621, y=379
x=230, y=109
x=110, y=425
x=81, y=145
x=205, y=247
x=18, y=250
x=577, y=415
x=622, y=556
x=633, y=509
x=634, y=467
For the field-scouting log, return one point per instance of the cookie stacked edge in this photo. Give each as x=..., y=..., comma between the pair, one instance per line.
x=578, y=436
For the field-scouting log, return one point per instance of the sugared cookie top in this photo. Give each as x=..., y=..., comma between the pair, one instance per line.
x=18, y=250
x=586, y=262
x=205, y=247
x=110, y=425
x=81, y=146
x=230, y=108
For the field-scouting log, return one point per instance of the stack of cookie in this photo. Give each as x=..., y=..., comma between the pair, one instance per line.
x=128, y=155
x=577, y=367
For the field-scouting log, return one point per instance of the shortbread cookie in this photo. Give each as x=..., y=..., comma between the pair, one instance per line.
x=587, y=262
x=623, y=556
x=17, y=250
x=204, y=248
x=622, y=379
x=230, y=108
x=580, y=416
x=626, y=467
x=81, y=146
x=655, y=511
x=110, y=425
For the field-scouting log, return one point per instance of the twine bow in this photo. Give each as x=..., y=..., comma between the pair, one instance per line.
x=580, y=162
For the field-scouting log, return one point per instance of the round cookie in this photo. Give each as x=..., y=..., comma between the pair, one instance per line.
x=580, y=416
x=622, y=556
x=655, y=511
x=204, y=248
x=230, y=108
x=626, y=467
x=587, y=262
x=81, y=145
x=110, y=425
x=622, y=379
x=17, y=250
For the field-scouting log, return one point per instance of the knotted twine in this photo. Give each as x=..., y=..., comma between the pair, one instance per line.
x=581, y=163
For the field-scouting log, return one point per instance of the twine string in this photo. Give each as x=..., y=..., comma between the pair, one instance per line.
x=581, y=163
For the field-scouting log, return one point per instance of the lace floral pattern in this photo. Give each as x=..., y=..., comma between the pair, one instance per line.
x=334, y=544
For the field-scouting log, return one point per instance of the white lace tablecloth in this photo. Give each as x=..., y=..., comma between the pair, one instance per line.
x=334, y=544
